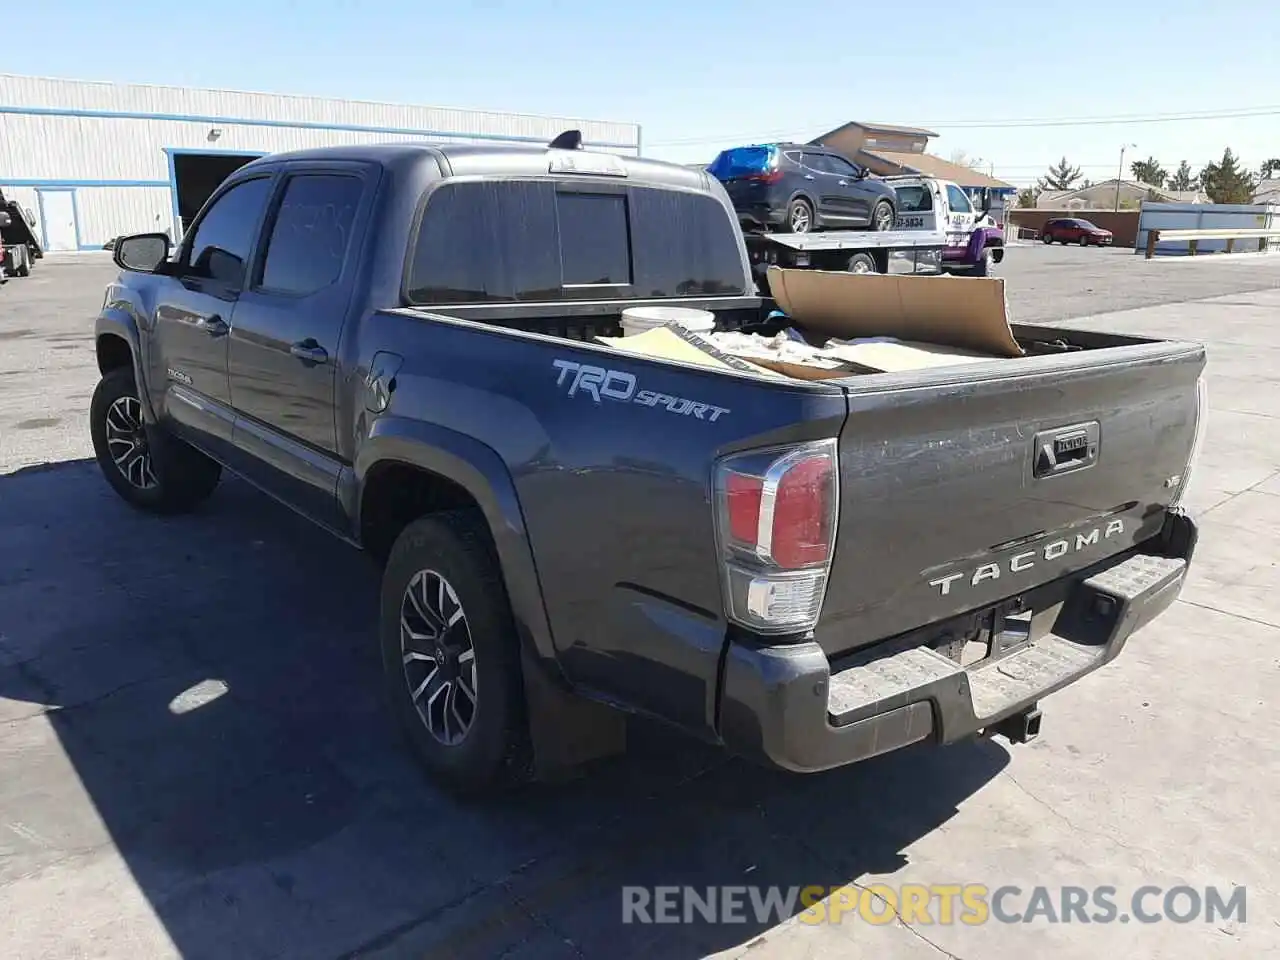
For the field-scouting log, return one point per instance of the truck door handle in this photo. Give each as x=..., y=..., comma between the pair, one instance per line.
x=843, y=183
x=808, y=176
x=309, y=352
x=213, y=325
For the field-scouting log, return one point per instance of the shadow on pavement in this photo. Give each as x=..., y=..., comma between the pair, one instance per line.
x=213, y=682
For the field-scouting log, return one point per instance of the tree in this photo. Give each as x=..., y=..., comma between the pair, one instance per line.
x=1270, y=168
x=973, y=163
x=1149, y=171
x=1184, y=179
x=1061, y=176
x=1027, y=197
x=1227, y=181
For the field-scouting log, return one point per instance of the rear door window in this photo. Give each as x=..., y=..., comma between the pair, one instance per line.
x=817, y=162
x=308, y=240
x=842, y=166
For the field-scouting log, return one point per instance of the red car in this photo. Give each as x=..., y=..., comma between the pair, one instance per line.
x=1073, y=230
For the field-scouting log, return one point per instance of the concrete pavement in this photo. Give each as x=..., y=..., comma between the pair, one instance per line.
x=194, y=761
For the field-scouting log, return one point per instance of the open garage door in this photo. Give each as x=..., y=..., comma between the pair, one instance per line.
x=197, y=175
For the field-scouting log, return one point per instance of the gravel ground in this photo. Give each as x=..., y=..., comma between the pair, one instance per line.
x=282, y=818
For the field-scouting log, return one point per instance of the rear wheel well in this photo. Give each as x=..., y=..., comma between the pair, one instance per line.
x=396, y=494
x=113, y=353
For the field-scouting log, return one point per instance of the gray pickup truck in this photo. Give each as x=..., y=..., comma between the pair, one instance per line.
x=397, y=342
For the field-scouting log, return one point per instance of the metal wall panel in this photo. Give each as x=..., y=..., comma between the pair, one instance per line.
x=112, y=143
x=41, y=94
x=107, y=212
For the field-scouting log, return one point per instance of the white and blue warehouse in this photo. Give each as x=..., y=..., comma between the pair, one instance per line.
x=94, y=161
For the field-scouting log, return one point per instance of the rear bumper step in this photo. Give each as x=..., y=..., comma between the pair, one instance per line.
x=785, y=706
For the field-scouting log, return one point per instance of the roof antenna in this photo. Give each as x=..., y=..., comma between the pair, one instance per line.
x=569, y=140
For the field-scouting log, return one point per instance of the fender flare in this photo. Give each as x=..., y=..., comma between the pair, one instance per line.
x=804, y=195
x=482, y=473
x=118, y=321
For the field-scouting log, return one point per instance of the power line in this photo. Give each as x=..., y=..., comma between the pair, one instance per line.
x=1009, y=123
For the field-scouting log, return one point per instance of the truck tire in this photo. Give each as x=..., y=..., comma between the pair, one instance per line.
x=23, y=262
x=147, y=467
x=862, y=263
x=799, y=216
x=451, y=656
x=882, y=216
x=982, y=268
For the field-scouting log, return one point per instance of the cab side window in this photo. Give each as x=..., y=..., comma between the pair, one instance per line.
x=308, y=242
x=220, y=246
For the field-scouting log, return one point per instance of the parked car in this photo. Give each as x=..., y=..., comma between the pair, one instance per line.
x=799, y=187
x=1075, y=230
x=399, y=342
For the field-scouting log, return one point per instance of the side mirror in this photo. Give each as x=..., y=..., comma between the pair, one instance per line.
x=141, y=253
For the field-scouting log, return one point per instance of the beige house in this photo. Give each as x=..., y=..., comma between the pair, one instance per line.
x=887, y=149
x=1102, y=196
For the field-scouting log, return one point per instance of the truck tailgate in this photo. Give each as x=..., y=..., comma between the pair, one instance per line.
x=961, y=492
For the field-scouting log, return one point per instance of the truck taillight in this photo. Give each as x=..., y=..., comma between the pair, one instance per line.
x=776, y=522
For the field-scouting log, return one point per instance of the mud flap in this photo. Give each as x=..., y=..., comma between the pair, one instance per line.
x=567, y=731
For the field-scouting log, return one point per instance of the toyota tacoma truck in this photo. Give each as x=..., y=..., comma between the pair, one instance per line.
x=399, y=342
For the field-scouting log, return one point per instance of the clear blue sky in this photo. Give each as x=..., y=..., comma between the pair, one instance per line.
x=699, y=76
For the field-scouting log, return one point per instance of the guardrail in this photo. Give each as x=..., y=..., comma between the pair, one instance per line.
x=1193, y=237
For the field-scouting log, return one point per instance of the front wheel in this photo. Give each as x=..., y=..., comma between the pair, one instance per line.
x=882, y=216
x=24, y=261
x=983, y=267
x=450, y=654
x=1046, y=238
x=148, y=468
x=1084, y=241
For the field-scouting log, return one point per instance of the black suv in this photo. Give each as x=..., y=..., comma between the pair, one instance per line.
x=800, y=187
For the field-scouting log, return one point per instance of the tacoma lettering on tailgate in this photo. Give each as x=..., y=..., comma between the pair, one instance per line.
x=1022, y=562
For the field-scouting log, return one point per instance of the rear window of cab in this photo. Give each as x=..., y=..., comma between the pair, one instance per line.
x=513, y=241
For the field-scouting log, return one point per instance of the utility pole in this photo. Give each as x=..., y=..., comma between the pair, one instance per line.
x=1120, y=173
